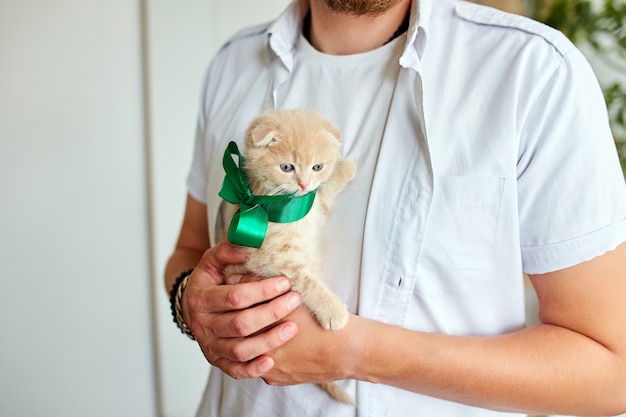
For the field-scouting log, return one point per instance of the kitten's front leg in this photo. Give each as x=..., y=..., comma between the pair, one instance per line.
x=332, y=314
x=344, y=172
x=328, y=309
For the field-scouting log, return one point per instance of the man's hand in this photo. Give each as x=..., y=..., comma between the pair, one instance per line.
x=236, y=325
x=315, y=355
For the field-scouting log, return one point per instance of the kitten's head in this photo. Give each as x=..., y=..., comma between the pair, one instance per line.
x=290, y=151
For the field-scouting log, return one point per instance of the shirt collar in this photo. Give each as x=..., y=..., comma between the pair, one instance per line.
x=282, y=35
x=416, y=37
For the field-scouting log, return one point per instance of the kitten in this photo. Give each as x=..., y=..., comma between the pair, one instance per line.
x=297, y=151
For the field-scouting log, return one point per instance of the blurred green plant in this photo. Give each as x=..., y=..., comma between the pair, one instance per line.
x=601, y=24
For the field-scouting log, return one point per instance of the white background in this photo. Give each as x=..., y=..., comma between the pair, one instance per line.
x=98, y=101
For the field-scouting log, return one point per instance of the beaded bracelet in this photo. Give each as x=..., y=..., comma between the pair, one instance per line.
x=175, y=296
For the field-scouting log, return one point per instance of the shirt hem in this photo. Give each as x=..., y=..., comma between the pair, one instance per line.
x=553, y=257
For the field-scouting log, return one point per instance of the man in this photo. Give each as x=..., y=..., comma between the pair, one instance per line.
x=483, y=152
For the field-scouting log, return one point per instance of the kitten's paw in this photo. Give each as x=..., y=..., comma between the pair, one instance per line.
x=333, y=317
x=346, y=170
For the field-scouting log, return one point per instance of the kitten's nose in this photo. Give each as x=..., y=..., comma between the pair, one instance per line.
x=303, y=185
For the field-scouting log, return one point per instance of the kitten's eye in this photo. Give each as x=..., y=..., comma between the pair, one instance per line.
x=286, y=167
x=318, y=167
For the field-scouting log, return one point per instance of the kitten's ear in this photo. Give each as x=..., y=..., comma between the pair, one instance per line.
x=263, y=131
x=334, y=133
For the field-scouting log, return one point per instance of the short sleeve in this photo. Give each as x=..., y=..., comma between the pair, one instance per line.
x=571, y=190
x=198, y=177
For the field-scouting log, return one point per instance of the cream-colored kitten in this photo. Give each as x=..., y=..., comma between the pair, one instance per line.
x=297, y=151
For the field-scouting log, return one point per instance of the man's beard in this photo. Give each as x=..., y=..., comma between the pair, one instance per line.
x=360, y=7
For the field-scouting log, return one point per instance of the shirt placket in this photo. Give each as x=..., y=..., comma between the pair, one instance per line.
x=396, y=222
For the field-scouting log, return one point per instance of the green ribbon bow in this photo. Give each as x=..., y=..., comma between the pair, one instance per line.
x=249, y=224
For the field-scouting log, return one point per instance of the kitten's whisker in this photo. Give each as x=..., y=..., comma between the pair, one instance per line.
x=281, y=189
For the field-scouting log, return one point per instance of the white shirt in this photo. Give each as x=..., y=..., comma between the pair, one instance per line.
x=495, y=159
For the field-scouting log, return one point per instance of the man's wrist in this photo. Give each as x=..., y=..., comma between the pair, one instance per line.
x=176, y=295
x=352, y=348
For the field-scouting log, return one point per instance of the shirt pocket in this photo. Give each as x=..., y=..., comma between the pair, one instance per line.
x=462, y=229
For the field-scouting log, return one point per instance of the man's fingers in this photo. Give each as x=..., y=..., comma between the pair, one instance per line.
x=237, y=354
x=251, y=369
x=216, y=258
x=225, y=298
x=240, y=279
x=246, y=322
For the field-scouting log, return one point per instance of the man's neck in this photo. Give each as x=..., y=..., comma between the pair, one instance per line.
x=345, y=34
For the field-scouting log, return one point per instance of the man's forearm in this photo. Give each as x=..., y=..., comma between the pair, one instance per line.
x=180, y=261
x=544, y=369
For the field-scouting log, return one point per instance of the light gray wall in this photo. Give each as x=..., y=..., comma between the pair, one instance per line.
x=94, y=150
x=74, y=268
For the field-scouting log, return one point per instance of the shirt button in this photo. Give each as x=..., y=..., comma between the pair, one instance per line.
x=268, y=105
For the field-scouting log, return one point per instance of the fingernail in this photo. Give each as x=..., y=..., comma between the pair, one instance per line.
x=265, y=366
x=234, y=279
x=293, y=301
x=287, y=332
x=283, y=285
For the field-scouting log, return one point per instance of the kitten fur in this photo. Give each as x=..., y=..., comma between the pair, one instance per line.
x=298, y=151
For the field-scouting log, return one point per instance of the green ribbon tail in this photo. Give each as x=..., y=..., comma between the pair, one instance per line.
x=248, y=226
